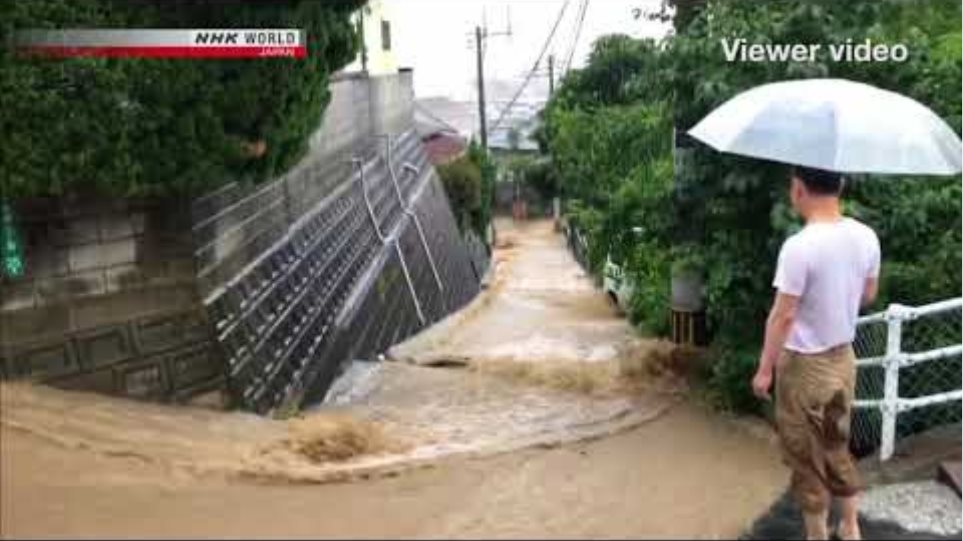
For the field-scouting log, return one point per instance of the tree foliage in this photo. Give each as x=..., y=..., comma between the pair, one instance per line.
x=727, y=216
x=611, y=149
x=163, y=126
x=540, y=175
x=486, y=165
x=739, y=208
x=469, y=183
x=462, y=181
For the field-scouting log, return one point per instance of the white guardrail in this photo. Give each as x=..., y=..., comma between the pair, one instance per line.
x=891, y=404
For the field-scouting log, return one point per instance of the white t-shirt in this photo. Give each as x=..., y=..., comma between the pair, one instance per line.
x=826, y=265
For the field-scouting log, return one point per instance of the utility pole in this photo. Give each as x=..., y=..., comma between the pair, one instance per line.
x=482, y=34
x=481, y=89
x=551, y=74
x=364, y=44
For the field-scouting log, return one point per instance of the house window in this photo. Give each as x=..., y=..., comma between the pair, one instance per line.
x=385, y=35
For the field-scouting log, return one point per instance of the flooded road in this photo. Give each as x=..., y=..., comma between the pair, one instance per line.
x=540, y=306
x=539, y=358
x=534, y=411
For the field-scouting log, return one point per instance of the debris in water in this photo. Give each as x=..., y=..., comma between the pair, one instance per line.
x=642, y=365
x=586, y=378
x=337, y=437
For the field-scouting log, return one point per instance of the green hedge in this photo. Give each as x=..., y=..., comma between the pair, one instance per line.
x=163, y=126
x=727, y=216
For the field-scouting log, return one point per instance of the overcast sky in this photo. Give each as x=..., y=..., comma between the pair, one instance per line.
x=435, y=37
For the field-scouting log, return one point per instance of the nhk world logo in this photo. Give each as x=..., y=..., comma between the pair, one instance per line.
x=254, y=38
x=166, y=43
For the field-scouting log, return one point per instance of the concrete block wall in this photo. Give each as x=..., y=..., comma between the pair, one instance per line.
x=311, y=286
x=264, y=291
x=78, y=248
x=347, y=119
x=332, y=291
x=102, y=276
x=384, y=311
x=234, y=225
x=392, y=103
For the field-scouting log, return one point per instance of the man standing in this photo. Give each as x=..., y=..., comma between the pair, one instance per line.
x=825, y=273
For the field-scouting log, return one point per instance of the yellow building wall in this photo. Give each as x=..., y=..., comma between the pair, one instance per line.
x=381, y=61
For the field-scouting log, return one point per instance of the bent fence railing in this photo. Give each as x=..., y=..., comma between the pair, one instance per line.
x=908, y=373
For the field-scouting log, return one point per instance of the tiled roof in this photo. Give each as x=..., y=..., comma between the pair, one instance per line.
x=443, y=147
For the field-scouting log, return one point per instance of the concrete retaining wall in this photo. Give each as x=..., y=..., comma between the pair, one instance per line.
x=108, y=301
x=333, y=291
x=235, y=224
x=264, y=291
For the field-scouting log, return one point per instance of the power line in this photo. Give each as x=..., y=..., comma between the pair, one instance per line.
x=571, y=37
x=578, y=33
x=480, y=37
x=531, y=72
x=568, y=44
x=424, y=110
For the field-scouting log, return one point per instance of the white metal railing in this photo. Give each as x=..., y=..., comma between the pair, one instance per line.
x=578, y=244
x=390, y=239
x=894, y=359
x=405, y=205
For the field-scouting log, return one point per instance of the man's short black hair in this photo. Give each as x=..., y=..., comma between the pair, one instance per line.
x=819, y=181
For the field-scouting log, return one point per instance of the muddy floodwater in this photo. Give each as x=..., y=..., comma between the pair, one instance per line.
x=534, y=411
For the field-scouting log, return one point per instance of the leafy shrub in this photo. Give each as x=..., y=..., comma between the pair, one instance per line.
x=730, y=383
x=541, y=176
x=486, y=165
x=650, y=270
x=462, y=181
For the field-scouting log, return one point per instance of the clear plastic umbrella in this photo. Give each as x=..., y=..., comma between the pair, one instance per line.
x=834, y=124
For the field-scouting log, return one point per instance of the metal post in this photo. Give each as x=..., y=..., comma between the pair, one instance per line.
x=386, y=241
x=481, y=88
x=424, y=240
x=551, y=75
x=411, y=285
x=391, y=172
x=364, y=42
x=367, y=201
x=406, y=208
x=894, y=336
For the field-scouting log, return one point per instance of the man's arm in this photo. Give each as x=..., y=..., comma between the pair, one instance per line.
x=871, y=286
x=869, y=291
x=780, y=321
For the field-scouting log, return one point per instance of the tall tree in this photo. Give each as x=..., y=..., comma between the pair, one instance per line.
x=163, y=126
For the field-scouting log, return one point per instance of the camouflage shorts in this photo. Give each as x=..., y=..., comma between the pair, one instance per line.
x=814, y=394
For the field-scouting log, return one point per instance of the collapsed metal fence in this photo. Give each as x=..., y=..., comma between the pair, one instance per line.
x=908, y=374
x=344, y=282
